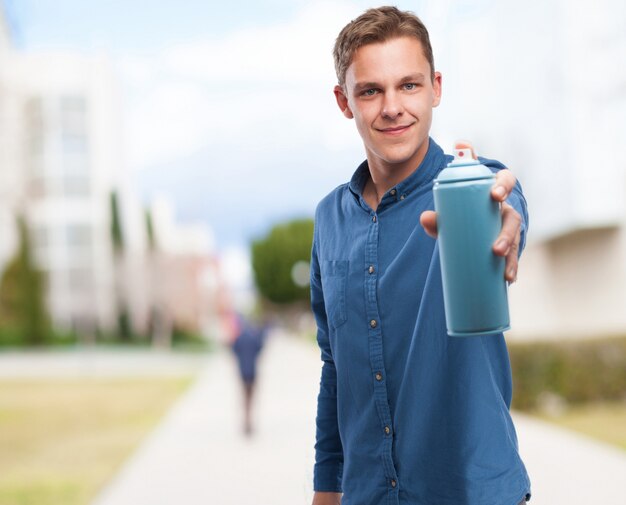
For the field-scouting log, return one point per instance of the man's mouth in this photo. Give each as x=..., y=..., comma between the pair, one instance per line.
x=395, y=130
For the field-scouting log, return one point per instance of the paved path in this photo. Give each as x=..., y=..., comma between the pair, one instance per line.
x=568, y=469
x=98, y=362
x=198, y=455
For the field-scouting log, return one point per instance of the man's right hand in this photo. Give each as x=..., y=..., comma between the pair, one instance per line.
x=320, y=498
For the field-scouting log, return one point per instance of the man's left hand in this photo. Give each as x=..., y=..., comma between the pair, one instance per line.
x=507, y=243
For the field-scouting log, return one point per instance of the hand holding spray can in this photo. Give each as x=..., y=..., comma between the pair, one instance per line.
x=468, y=223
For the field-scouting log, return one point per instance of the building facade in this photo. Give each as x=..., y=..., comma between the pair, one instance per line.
x=61, y=160
x=70, y=157
x=9, y=147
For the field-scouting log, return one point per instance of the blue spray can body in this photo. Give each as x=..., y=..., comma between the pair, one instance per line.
x=468, y=223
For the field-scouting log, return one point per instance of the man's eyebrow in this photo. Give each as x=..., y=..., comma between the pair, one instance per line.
x=366, y=85
x=413, y=77
x=418, y=77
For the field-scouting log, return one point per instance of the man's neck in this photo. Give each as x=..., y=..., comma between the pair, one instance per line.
x=384, y=176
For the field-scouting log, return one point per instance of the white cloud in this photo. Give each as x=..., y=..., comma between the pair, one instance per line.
x=289, y=52
x=258, y=90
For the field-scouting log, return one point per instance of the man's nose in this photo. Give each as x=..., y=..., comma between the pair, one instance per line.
x=392, y=105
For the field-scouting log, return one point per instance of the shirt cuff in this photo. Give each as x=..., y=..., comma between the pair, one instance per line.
x=516, y=202
x=327, y=478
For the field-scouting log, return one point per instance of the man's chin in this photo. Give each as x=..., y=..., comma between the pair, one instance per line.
x=398, y=158
x=394, y=157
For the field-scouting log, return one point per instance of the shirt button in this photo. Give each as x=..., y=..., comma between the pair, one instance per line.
x=379, y=376
x=402, y=197
x=374, y=219
x=393, y=483
x=387, y=430
x=392, y=192
x=373, y=323
x=371, y=269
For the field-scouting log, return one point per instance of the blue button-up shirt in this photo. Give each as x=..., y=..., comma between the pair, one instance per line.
x=406, y=414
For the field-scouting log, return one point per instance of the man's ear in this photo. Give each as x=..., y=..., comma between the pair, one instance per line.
x=342, y=102
x=437, y=89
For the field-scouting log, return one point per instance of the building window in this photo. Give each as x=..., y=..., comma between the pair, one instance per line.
x=74, y=116
x=35, y=135
x=40, y=236
x=75, y=186
x=74, y=138
x=79, y=235
x=80, y=279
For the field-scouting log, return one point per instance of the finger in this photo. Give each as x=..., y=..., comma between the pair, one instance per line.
x=505, y=182
x=511, y=223
x=428, y=219
x=464, y=144
x=511, y=265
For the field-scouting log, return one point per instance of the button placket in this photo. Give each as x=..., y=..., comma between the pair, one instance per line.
x=375, y=339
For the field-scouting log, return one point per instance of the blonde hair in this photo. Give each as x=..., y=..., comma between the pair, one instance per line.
x=379, y=25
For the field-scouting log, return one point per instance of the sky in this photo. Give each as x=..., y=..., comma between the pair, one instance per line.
x=228, y=108
x=228, y=111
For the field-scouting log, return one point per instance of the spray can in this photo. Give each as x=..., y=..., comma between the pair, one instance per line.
x=468, y=223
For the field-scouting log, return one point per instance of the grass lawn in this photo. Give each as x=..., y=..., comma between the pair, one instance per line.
x=604, y=421
x=62, y=439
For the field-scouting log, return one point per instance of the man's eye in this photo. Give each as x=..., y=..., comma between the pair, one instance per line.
x=369, y=92
x=410, y=86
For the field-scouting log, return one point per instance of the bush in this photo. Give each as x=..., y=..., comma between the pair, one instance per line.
x=12, y=337
x=184, y=339
x=576, y=371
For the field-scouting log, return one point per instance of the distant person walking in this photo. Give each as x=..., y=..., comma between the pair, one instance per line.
x=247, y=346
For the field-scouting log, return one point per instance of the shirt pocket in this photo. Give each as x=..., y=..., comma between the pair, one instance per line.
x=334, y=284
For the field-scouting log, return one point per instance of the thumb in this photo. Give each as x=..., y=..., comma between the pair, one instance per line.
x=428, y=220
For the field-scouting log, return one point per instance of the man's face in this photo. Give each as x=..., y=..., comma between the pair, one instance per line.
x=389, y=93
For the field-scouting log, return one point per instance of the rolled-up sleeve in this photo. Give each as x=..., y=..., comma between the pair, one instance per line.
x=328, y=449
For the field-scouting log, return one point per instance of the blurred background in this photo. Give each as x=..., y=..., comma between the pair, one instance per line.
x=160, y=163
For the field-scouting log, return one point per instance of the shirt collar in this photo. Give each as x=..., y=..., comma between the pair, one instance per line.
x=424, y=174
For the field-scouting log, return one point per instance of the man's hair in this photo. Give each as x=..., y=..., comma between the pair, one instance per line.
x=379, y=25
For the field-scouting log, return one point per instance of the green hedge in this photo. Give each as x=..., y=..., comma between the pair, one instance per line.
x=13, y=337
x=575, y=371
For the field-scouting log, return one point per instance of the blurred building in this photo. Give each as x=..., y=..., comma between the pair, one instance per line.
x=61, y=159
x=9, y=153
x=543, y=88
x=182, y=276
x=68, y=126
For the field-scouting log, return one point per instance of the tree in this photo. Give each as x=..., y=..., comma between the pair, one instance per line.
x=279, y=259
x=150, y=235
x=117, y=238
x=22, y=294
x=161, y=324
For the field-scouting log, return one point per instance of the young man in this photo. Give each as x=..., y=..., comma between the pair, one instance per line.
x=406, y=414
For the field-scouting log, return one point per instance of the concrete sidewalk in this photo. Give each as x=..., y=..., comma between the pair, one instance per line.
x=199, y=456
x=99, y=362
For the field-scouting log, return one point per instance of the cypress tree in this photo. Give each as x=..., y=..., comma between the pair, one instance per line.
x=22, y=294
